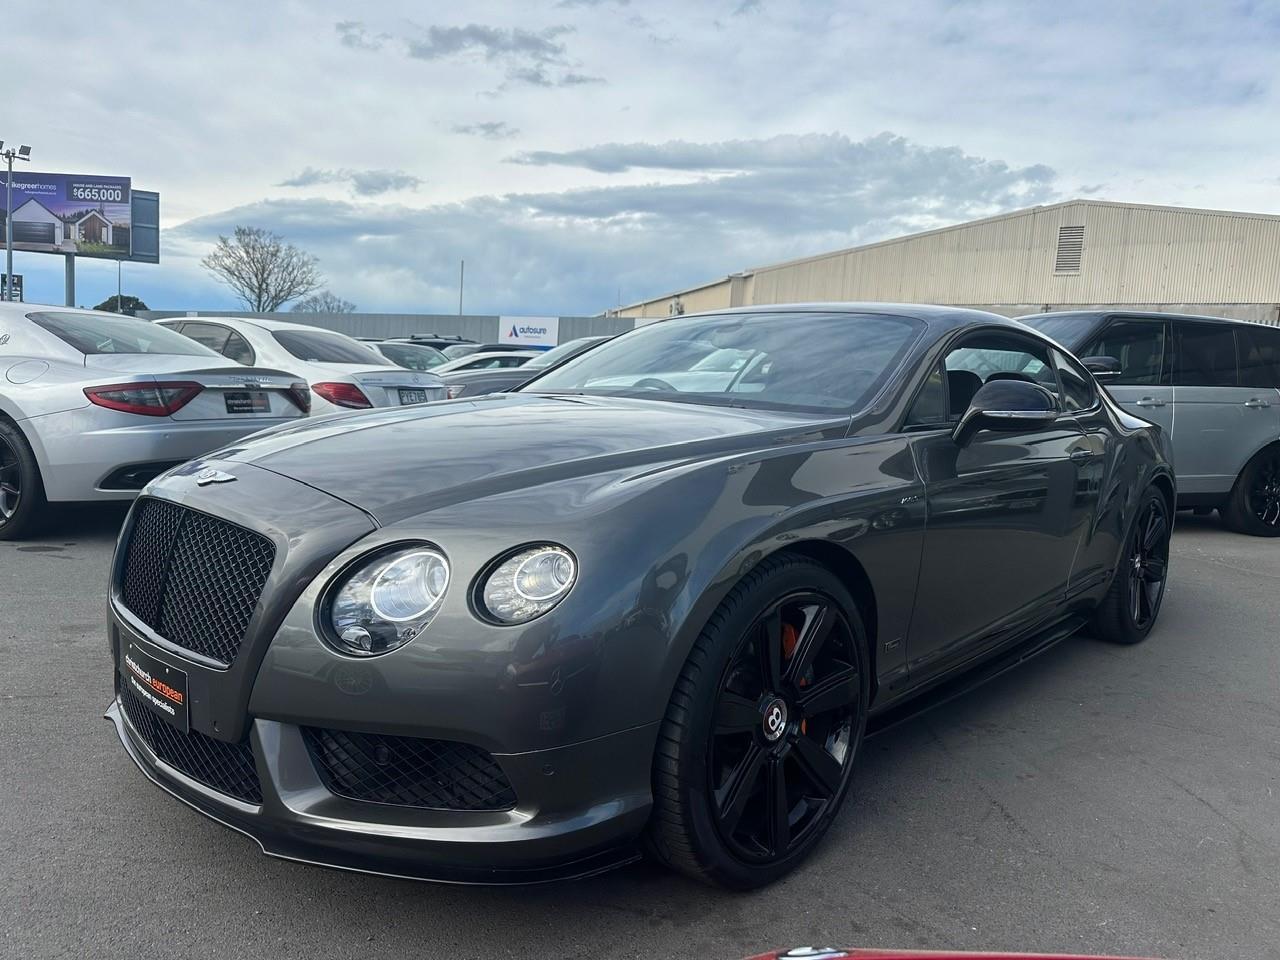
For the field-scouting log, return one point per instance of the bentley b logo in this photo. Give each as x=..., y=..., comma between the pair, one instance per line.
x=209, y=475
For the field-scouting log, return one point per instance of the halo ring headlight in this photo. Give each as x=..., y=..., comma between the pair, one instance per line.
x=526, y=583
x=385, y=599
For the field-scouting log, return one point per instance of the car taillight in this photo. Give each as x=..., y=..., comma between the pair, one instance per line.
x=300, y=396
x=147, y=399
x=342, y=395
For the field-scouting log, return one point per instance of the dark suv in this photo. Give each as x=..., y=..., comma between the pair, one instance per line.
x=1213, y=384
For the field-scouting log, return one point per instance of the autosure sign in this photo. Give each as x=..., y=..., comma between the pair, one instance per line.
x=70, y=213
x=529, y=331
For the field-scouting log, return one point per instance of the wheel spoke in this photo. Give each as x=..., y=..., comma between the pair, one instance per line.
x=817, y=627
x=733, y=796
x=831, y=693
x=1135, y=597
x=1153, y=571
x=1156, y=528
x=735, y=714
x=819, y=767
x=770, y=643
x=779, y=810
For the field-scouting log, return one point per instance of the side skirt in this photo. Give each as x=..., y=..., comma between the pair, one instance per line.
x=936, y=692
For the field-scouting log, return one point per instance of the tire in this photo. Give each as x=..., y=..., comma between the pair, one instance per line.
x=22, y=503
x=802, y=731
x=1254, y=504
x=1132, y=604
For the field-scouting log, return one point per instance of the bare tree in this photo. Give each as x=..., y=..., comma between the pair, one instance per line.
x=263, y=270
x=324, y=302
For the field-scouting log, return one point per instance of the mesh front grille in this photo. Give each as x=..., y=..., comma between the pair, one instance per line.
x=193, y=578
x=406, y=771
x=226, y=767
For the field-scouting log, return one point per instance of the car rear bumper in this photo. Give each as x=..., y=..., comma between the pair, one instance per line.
x=539, y=840
x=80, y=451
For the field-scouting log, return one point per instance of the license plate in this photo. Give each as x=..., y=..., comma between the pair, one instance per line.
x=162, y=688
x=413, y=396
x=248, y=401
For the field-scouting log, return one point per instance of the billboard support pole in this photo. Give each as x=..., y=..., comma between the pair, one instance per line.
x=71, y=279
x=8, y=229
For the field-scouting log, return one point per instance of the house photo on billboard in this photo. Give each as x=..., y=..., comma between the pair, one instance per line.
x=59, y=213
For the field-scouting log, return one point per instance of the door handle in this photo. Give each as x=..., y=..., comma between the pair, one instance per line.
x=1256, y=403
x=1151, y=402
x=1079, y=456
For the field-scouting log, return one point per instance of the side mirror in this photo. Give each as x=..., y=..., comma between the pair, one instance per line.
x=1009, y=406
x=1102, y=368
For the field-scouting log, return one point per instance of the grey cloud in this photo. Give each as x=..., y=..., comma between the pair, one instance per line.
x=578, y=80
x=491, y=43
x=570, y=251
x=365, y=183
x=748, y=6
x=591, y=3
x=352, y=33
x=489, y=129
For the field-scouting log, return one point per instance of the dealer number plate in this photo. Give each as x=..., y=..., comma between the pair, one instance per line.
x=248, y=401
x=161, y=687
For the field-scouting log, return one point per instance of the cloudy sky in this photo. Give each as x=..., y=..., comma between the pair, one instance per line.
x=581, y=151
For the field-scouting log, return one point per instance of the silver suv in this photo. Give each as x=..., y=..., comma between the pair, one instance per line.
x=1212, y=384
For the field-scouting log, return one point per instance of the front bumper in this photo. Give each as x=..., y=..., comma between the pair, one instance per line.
x=556, y=831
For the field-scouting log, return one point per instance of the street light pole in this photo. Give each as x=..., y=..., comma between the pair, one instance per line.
x=22, y=153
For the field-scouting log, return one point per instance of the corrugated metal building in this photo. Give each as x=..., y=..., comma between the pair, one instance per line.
x=1081, y=253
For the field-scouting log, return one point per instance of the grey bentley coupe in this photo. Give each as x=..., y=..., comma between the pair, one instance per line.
x=643, y=604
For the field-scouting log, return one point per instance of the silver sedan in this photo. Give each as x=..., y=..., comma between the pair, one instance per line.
x=94, y=405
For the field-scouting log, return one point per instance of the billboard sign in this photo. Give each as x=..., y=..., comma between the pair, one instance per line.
x=88, y=216
x=529, y=331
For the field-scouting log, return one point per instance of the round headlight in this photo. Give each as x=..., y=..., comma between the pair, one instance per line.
x=529, y=583
x=387, y=601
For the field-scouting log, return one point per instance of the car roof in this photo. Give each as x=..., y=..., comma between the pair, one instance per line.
x=938, y=318
x=255, y=322
x=1144, y=315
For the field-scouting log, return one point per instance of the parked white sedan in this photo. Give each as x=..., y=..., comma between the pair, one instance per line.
x=343, y=373
x=94, y=405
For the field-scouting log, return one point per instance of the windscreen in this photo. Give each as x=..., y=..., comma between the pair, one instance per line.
x=803, y=361
x=97, y=333
x=412, y=356
x=1069, y=329
x=556, y=354
x=324, y=347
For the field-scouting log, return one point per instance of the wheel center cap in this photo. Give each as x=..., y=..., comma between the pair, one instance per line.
x=774, y=719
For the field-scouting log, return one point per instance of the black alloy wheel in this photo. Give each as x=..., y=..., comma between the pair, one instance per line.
x=1263, y=490
x=756, y=752
x=786, y=717
x=10, y=480
x=1148, y=563
x=1129, y=610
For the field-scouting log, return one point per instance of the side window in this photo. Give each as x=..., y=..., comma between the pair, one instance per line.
x=1077, y=386
x=994, y=356
x=1206, y=355
x=1140, y=348
x=1259, y=356
x=930, y=407
x=238, y=349
x=209, y=334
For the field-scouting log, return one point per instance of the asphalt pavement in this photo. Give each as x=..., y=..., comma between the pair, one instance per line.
x=1097, y=799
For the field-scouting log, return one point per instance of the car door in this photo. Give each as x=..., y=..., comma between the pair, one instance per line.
x=1142, y=347
x=1221, y=421
x=1004, y=519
